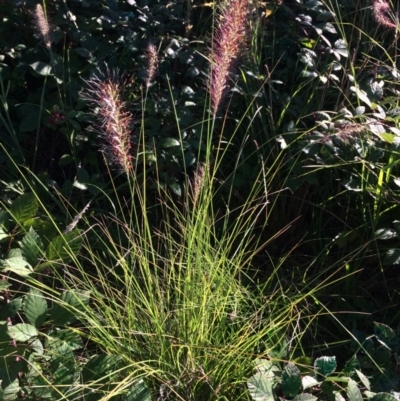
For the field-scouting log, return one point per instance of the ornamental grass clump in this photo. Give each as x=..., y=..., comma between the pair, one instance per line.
x=114, y=121
x=228, y=44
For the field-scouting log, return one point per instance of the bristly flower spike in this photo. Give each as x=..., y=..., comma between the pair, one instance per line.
x=42, y=25
x=114, y=121
x=380, y=11
x=230, y=38
x=152, y=63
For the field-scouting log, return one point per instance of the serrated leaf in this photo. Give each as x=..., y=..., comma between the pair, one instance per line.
x=11, y=391
x=99, y=366
x=35, y=308
x=24, y=208
x=22, y=332
x=72, y=339
x=31, y=246
x=11, y=309
x=353, y=392
x=386, y=335
x=325, y=365
x=4, y=285
x=261, y=388
x=64, y=247
x=138, y=392
x=18, y=266
x=61, y=354
x=383, y=397
x=68, y=307
x=291, y=380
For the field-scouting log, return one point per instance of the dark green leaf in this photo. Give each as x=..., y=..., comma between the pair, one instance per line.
x=24, y=208
x=383, y=397
x=325, y=365
x=168, y=143
x=386, y=335
x=64, y=247
x=35, y=307
x=138, y=392
x=291, y=380
x=31, y=246
x=99, y=366
x=67, y=310
x=72, y=339
x=10, y=392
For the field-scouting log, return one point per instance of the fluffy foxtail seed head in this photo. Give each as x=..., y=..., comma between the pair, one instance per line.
x=42, y=25
x=380, y=11
x=114, y=121
x=152, y=63
x=230, y=38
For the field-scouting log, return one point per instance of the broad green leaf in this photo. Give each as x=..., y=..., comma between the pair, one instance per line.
x=364, y=379
x=64, y=247
x=325, y=365
x=24, y=208
x=11, y=309
x=67, y=309
x=383, y=397
x=72, y=339
x=4, y=285
x=139, y=392
x=35, y=307
x=309, y=381
x=305, y=397
x=291, y=380
x=175, y=188
x=18, y=266
x=168, y=143
x=261, y=387
x=353, y=392
x=351, y=366
x=100, y=366
x=386, y=335
x=42, y=390
x=3, y=234
x=10, y=392
x=22, y=332
x=31, y=246
x=61, y=354
x=42, y=68
x=266, y=367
